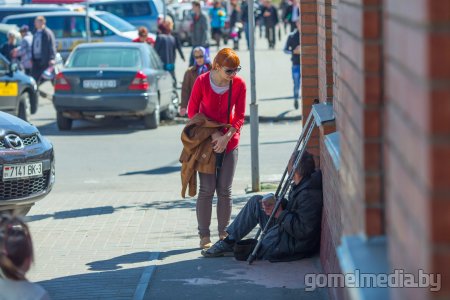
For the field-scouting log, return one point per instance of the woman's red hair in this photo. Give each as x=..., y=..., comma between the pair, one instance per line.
x=226, y=57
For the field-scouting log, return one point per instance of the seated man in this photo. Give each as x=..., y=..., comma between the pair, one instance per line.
x=295, y=232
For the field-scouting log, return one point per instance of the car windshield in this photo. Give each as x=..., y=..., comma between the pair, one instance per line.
x=116, y=22
x=102, y=57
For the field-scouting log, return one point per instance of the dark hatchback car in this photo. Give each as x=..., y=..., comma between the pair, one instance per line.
x=114, y=79
x=27, y=165
x=18, y=92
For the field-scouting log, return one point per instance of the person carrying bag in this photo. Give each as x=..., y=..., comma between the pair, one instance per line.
x=221, y=96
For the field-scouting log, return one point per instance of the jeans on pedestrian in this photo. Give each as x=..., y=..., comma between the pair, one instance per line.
x=247, y=34
x=250, y=215
x=222, y=186
x=296, y=76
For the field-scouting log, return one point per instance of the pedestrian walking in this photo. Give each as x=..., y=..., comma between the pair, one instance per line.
x=270, y=19
x=218, y=15
x=292, y=14
x=220, y=95
x=283, y=7
x=143, y=36
x=202, y=65
x=292, y=47
x=16, y=257
x=23, y=52
x=166, y=47
x=235, y=23
x=244, y=20
x=200, y=30
x=43, y=50
x=7, y=49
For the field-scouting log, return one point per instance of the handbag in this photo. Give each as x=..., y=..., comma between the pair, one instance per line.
x=220, y=156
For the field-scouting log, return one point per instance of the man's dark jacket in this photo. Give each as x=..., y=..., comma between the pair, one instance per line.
x=296, y=233
x=292, y=42
x=48, y=47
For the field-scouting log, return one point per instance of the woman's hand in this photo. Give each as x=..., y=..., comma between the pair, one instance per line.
x=183, y=111
x=215, y=136
x=220, y=144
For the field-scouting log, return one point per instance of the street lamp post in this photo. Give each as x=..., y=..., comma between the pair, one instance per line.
x=254, y=119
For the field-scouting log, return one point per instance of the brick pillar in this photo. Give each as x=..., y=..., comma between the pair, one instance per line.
x=325, y=50
x=309, y=67
x=359, y=112
x=417, y=163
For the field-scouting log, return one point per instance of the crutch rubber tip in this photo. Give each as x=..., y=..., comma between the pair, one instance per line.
x=250, y=259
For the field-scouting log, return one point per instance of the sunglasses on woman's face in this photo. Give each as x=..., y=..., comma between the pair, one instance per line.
x=198, y=56
x=232, y=71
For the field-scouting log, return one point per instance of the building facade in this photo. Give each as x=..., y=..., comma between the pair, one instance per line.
x=384, y=66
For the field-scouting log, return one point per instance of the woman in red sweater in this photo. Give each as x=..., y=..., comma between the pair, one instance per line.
x=209, y=96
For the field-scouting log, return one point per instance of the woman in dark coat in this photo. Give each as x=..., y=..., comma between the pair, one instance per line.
x=166, y=46
x=201, y=65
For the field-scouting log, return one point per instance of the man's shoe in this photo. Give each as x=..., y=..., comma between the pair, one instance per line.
x=296, y=104
x=219, y=249
x=205, y=242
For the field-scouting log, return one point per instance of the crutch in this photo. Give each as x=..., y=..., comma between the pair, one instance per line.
x=284, y=184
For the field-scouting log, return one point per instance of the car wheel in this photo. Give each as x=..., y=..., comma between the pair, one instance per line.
x=22, y=210
x=34, y=103
x=171, y=112
x=63, y=122
x=151, y=121
x=24, y=107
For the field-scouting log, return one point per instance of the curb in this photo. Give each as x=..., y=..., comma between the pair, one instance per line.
x=262, y=119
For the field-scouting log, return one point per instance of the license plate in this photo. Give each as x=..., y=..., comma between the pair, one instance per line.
x=99, y=84
x=9, y=89
x=22, y=171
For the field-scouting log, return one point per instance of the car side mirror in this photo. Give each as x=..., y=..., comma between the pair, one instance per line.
x=13, y=68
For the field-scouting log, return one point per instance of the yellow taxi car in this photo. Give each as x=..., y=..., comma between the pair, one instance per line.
x=18, y=92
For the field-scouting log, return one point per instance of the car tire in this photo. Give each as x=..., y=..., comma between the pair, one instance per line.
x=34, y=104
x=24, y=107
x=171, y=112
x=151, y=121
x=63, y=122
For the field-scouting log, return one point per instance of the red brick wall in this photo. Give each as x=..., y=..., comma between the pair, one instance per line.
x=331, y=216
x=309, y=65
x=325, y=50
x=359, y=108
x=417, y=163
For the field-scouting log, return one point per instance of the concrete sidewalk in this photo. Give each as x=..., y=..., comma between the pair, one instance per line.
x=184, y=274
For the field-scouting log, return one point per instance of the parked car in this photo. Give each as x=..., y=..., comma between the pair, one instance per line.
x=9, y=10
x=69, y=28
x=27, y=165
x=18, y=92
x=138, y=12
x=114, y=79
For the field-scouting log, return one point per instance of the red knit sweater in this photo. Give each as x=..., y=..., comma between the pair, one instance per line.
x=215, y=107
